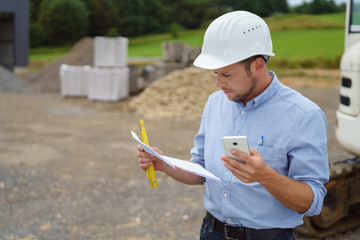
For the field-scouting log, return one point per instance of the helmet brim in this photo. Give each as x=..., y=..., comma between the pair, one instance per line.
x=209, y=62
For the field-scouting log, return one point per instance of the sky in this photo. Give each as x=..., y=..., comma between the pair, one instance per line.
x=299, y=2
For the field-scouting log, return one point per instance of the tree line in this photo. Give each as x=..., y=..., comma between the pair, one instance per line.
x=59, y=22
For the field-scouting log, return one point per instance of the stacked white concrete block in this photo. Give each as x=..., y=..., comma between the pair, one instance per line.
x=108, y=80
x=108, y=84
x=110, y=52
x=74, y=80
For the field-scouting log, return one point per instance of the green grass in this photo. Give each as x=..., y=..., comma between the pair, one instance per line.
x=298, y=40
x=150, y=46
x=338, y=18
x=288, y=44
x=294, y=37
x=308, y=43
x=151, y=49
x=48, y=53
x=304, y=21
x=40, y=56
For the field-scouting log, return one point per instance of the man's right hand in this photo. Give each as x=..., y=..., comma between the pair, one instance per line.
x=146, y=159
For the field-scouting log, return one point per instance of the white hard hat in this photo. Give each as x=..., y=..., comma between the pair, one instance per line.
x=234, y=37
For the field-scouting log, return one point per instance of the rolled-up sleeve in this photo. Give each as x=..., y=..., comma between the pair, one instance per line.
x=308, y=158
x=319, y=194
x=197, y=152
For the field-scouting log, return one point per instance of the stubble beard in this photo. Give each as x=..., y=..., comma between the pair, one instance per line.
x=244, y=95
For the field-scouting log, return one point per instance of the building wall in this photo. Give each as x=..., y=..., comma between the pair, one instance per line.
x=14, y=33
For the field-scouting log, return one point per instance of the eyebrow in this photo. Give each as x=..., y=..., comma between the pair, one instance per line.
x=223, y=72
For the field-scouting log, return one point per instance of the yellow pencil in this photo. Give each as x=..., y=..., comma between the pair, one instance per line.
x=150, y=172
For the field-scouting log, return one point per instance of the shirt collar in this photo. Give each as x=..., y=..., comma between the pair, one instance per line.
x=269, y=91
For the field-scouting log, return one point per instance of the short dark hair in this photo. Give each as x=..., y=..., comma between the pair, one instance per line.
x=247, y=62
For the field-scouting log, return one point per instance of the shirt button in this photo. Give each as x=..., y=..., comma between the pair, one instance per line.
x=256, y=105
x=225, y=195
x=229, y=219
x=243, y=112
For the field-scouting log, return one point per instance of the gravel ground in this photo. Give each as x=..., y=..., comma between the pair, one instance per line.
x=68, y=170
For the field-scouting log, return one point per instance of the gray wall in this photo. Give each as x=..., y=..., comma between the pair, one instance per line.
x=14, y=33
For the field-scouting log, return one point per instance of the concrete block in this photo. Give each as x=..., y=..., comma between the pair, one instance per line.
x=74, y=80
x=110, y=52
x=108, y=84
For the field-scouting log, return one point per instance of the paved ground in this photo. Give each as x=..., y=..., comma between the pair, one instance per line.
x=68, y=170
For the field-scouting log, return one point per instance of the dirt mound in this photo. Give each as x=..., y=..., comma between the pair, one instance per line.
x=180, y=94
x=183, y=93
x=47, y=78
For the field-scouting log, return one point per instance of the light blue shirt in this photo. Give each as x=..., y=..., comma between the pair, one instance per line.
x=294, y=130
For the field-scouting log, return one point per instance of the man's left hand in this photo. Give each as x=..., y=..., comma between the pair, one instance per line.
x=253, y=169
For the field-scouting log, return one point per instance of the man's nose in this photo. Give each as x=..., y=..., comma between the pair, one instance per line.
x=219, y=82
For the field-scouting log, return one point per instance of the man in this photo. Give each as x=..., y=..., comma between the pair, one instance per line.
x=266, y=195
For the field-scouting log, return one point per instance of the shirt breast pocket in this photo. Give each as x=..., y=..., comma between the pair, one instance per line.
x=271, y=156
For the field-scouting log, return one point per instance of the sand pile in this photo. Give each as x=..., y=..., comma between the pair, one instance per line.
x=47, y=78
x=180, y=94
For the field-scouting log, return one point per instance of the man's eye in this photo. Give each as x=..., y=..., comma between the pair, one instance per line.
x=227, y=75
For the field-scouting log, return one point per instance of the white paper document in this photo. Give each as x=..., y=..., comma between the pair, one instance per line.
x=174, y=162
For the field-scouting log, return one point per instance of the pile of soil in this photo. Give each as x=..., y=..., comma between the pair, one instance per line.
x=180, y=94
x=47, y=79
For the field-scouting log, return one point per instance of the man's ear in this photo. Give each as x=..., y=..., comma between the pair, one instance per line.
x=259, y=63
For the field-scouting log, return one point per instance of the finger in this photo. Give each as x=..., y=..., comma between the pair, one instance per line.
x=242, y=155
x=140, y=148
x=235, y=166
x=157, y=150
x=143, y=160
x=232, y=161
x=240, y=167
x=238, y=172
x=145, y=157
x=145, y=165
x=142, y=155
x=254, y=152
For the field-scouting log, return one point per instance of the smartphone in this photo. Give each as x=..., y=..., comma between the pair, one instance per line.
x=235, y=142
